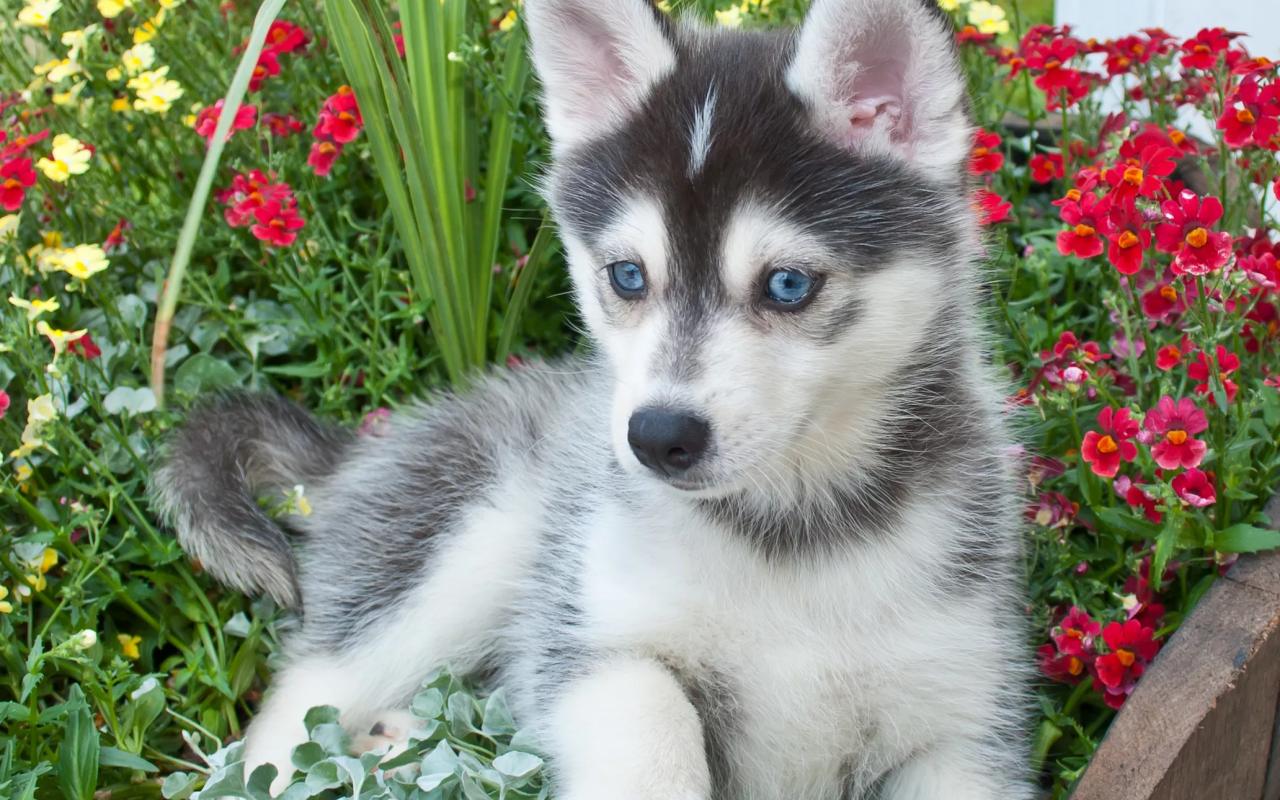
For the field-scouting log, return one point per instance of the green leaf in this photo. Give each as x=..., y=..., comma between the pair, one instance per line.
x=1127, y=524
x=179, y=785
x=202, y=373
x=517, y=765
x=1244, y=538
x=113, y=757
x=77, y=766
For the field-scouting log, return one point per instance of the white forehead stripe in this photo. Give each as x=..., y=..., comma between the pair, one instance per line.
x=701, y=136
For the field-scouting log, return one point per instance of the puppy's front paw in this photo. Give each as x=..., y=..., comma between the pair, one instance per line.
x=390, y=732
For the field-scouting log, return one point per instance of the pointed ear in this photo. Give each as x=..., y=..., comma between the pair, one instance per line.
x=883, y=76
x=597, y=59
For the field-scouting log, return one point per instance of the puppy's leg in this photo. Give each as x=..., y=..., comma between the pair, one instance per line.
x=626, y=731
x=278, y=726
x=957, y=771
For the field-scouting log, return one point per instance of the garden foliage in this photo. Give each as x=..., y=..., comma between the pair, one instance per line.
x=373, y=234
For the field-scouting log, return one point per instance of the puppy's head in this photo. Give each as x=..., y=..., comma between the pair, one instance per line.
x=761, y=226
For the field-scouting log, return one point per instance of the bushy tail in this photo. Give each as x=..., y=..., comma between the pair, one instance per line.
x=231, y=450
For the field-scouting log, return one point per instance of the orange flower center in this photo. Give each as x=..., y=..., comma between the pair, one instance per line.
x=1084, y=230
x=12, y=183
x=1177, y=137
x=1073, y=195
x=1245, y=117
x=1169, y=293
x=1134, y=175
x=1198, y=237
x=979, y=152
x=345, y=117
x=276, y=223
x=1201, y=48
x=1107, y=445
x=1176, y=437
x=1127, y=239
x=327, y=147
x=1125, y=657
x=1122, y=62
x=1075, y=666
x=1053, y=64
x=258, y=72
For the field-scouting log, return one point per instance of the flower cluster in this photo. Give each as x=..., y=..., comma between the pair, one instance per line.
x=338, y=125
x=283, y=38
x=268, y=208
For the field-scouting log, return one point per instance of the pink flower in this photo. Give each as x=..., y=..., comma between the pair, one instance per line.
x=322, y=157
x=4, y=403
x=986, y=155
x=1046, y=167
x=1187, y=232
x=207, y=119
x=1200, y=370
x=1195, y=488
x=268, y=66
x=1104, y=451
x=16, y=176
x=277, y=225
x=1138, y=498
x=1131, y=647
x=282, y=125
x=340, y=120
x=1252, y=115
x=1173, y=426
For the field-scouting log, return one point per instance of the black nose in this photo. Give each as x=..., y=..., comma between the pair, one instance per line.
x=669, y=442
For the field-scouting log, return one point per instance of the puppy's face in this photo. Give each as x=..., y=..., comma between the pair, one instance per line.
x=754, y=271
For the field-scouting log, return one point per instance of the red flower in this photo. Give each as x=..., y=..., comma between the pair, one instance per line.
x=1252, y=115
x=1187, y=232
x=1195, y=488
x=84, y=347
x=1163, y=301
x=1200, y=370
x=1201, y=51
x=1053, y=510
x=286, y=37
x=207, y=119
x=991, y=207
x=1046, y=167
x=322, y=157
x=1137, y=498
x=16, y=176
x=1141, y=176
x=1176, y=424
x=115, y=239
x=268, y=66
x=282, y=125
x=1103, y=451
x=22, y=144
x=1049, y=61
x=340, y=121
x=1168, y=357
x=1132, y=646
x=1075, y=634
x=4, y=403
x=277, y=225
x=1263, y=270
x=1085, y=217
x=971, y=35
x=1127, y=237
x=986, y=155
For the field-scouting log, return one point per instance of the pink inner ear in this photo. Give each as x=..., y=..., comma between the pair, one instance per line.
x=875, y=99
x=866, y=110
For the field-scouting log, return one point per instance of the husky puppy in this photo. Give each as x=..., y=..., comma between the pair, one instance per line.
x=763, y=545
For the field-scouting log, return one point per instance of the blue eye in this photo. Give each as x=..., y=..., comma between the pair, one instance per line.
x=627, y=278
x=789, y=288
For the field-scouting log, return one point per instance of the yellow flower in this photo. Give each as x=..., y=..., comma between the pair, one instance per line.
x=113, y=8
x=37, y=582
x=48, y=560
x=730, y=18
x=37, y=13
x=22, y=474
x=147, y=30
x=988, y=17
x=168, y=4
x=951, y=5
x=509, y=21
x=34, y=308
x=9, y=227
x=70, y=157
x=82, y=261
x=120, y=104
x=113, y=74
x=156, y=91
x=70, y=96
x=58, y=338
x=64, y=69
x=138, y=58
x=129, y=646
x=5, y=606
x=76, y=40
x=41, y=410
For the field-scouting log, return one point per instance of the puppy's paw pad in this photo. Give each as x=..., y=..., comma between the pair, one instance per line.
x=390, y=731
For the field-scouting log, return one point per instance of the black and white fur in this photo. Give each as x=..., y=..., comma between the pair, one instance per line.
x=825, y=605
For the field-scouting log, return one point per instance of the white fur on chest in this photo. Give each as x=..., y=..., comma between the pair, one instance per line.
x=842, y=663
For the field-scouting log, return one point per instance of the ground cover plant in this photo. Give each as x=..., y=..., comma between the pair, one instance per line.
x=1130, y=188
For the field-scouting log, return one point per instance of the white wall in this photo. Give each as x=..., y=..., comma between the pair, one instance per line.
x=1107, y=19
